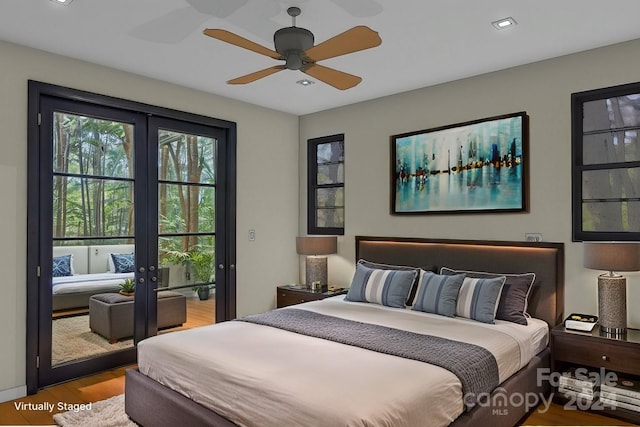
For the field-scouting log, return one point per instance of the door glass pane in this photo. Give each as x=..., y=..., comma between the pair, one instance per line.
x=186, y=208
x=186, y=225
x=90, y=146
x=186, y=158
x=93, y=249
x=92, y=207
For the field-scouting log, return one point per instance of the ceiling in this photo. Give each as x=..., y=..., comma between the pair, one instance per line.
x=424, y=42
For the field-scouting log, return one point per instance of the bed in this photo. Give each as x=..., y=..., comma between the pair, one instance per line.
x=89, y=273
x=249, y=372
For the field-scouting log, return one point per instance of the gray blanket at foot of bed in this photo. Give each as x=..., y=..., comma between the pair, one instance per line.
x=475, y=366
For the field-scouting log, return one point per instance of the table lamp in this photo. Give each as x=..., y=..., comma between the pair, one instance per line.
x=314, y=247
x=612, y=287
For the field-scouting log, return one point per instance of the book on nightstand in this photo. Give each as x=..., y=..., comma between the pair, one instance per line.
x=581, y=322
x=625, y=393
x=578, y=384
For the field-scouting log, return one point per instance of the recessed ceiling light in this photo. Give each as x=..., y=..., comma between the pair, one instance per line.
x=305, y=82
x=64, y=2
x=503, y=23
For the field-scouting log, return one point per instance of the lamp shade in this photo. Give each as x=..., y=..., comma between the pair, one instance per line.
x=612, y=256
x=317, y=245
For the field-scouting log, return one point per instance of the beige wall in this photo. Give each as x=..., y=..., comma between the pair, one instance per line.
x=267, y=190
x=542, y=90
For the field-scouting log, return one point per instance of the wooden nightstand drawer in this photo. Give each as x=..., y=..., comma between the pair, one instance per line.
x=609, y=354
x=288, y=296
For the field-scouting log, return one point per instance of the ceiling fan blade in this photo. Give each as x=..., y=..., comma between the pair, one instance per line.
x=234, y=39
x=255, y=76
x=338, y=79
x=353, y=40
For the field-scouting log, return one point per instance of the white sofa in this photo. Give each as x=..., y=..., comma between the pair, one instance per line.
x=92, y=274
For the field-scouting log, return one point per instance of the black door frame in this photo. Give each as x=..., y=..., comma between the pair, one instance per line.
x=225, y=310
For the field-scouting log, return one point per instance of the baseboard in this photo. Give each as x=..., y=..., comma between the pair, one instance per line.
x=13, y=393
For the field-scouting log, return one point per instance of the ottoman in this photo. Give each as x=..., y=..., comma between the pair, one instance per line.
x=111, y=314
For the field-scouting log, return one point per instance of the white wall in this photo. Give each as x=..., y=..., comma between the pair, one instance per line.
x=267, y=185
x=542, y=90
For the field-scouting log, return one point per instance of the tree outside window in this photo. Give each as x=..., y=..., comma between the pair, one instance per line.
x=606, y=164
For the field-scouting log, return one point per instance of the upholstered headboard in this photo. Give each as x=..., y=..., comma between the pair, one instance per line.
x=545, y=259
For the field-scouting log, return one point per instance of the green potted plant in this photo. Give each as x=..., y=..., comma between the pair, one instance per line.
x=201, y=263
x=128, y=287
x=198, y=264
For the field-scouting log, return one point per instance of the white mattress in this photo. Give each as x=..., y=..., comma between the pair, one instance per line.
x=261, y=376
x=88, y=282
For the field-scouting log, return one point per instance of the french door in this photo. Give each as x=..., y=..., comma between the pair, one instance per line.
x=121, y=194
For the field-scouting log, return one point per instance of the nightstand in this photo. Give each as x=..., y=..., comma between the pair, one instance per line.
x=598, y=353
x=296, y=294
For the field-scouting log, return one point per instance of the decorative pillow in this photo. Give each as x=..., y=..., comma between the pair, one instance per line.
x=437, y=293
x=478, y=298
x=62, y=266
x=414, y=285
x=515, y=293
x=112, y=267
x=381, y=286
x=123, y=263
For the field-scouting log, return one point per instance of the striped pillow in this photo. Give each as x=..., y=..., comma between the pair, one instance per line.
x=414, y=285
x=478, y=298
x=437, y=293
x=514, y=296
x=378, y=286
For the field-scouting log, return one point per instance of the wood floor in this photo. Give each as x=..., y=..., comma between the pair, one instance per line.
x=111, y=383
x=93, y=388
x=83, y=390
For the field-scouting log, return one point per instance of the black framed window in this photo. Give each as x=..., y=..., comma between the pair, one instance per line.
x=325, y=204
x=606, y=163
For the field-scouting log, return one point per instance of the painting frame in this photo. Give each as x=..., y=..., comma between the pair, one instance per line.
x=488, y=173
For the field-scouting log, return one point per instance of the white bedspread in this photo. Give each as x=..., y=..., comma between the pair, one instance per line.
x=88, y=282
x=261, y=376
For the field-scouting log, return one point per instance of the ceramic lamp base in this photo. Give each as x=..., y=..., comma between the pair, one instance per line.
x=316, y=271
x=612, y=304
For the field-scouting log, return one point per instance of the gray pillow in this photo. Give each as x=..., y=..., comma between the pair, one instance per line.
x=478, y=298
x=381, y=286
x=437, y=293
x=515, y=293
x=414, y=285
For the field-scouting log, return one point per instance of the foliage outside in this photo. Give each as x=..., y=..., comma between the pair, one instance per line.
x=94, y=187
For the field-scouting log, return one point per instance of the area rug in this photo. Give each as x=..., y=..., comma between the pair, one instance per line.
x=106, y=413
x=73, y=340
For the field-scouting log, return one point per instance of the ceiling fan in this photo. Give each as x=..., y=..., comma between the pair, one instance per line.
x=295, y=46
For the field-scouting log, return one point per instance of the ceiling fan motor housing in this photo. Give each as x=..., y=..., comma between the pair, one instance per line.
x=291, y=42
